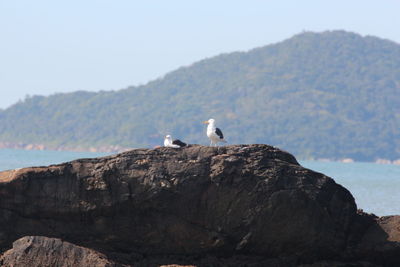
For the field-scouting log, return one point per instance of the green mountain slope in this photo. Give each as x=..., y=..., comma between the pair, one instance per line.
x=325, y=95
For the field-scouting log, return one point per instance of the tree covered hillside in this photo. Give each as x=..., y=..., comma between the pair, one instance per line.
x=324, y=95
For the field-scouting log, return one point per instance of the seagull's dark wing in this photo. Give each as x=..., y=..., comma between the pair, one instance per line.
x=179, y=143
x=219, y=133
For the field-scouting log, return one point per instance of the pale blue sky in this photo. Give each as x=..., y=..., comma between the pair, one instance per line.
x=61, y=46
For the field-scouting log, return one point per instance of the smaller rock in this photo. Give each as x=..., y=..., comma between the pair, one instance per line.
x=48, y=252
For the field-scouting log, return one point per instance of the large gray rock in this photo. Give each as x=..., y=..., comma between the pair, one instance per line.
x=253, y=200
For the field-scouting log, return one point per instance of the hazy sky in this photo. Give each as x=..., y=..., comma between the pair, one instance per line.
x=61, y=46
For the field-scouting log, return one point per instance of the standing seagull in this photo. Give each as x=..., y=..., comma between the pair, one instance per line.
x=176, y=143
x=214, y=133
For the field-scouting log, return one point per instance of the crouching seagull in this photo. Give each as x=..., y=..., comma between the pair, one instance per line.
x=176, y=143
x=213, y=133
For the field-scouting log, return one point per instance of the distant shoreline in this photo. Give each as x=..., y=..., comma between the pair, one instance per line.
x=350, y=160
x=93, y=149
x=119, y=149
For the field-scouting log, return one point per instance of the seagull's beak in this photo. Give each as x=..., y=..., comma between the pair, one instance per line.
x=205, y=122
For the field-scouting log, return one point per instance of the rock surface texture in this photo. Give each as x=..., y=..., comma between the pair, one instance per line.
x=244, y=205
x=50, y=252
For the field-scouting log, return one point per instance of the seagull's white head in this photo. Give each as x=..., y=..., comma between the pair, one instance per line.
x=210, y=121
x=168, y=137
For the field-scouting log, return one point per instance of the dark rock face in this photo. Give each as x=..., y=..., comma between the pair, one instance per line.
x=50, y=252
x=381, y=241
x=191, y=203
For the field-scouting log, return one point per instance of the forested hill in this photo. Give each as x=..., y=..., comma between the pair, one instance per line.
x=324, y=95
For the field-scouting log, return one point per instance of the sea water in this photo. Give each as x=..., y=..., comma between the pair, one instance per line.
x=17, y=158
x=375, y=187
